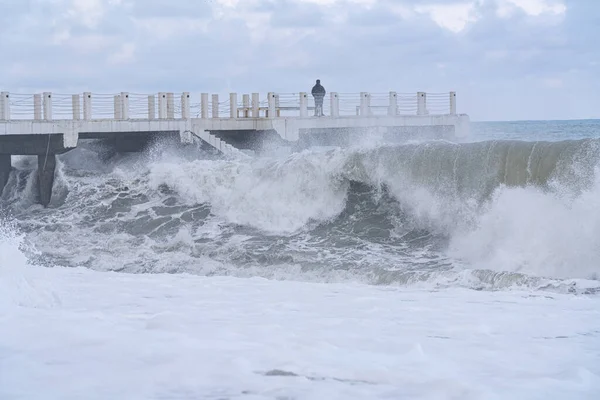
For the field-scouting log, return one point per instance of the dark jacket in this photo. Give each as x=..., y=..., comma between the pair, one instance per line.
x=318, y=90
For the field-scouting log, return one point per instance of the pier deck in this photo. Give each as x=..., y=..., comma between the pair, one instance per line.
x=48, y=124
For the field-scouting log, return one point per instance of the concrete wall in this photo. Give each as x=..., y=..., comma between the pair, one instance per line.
x=27, y=144
x=5, y=168
x=288, y=128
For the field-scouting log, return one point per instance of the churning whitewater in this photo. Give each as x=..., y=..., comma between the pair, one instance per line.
x=484, y=215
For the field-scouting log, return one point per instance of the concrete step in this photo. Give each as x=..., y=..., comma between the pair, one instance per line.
x=218, y=144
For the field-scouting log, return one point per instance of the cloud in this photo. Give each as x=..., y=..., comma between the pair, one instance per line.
x=87, y=12
x=454, y=17
x=124, y=55
x=505, y=58
x=531, y=7
x=553, y=82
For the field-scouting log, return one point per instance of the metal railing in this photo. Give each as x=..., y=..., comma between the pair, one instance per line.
x=165, y=105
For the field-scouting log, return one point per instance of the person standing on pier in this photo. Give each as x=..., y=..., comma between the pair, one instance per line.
x=318, y=93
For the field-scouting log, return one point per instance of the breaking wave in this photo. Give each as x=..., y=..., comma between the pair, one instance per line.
x=489, y=215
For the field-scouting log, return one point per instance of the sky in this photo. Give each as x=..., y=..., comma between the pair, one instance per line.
x=506, y=59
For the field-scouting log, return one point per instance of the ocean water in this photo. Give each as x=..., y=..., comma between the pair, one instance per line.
x=516, y=206
x=425, y=270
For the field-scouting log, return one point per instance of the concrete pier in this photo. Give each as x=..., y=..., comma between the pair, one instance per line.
x=47, y=125
x=45, y=147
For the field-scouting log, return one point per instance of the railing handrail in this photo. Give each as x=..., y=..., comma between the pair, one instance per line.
x=168, y=105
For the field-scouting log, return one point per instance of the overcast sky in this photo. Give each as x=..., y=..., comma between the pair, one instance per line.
x=506, y=59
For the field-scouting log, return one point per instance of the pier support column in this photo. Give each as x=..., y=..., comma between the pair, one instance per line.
x=185, y=105
x=393, y=106
x=255, y=105
x=365, y=104
x=204, y=105
x=335, y=105
x=46, y=167
x=233, y=105
x=76, y=107
x=124, y=105
x=87, y=106
x=303, y=105
x=453, y=103
x=272, y=104
x=421, y=103
x=37, y=107
x=170, y=105
x=5, y=167
x=246, y=105
x=159, y=103
x=117, y=107
x=215, y=106
x=48, y=106
x=4, y=106
x=162, y=105
x=151, y=107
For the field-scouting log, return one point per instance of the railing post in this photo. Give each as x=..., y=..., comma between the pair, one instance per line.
x=271, y=101
x=47, y=106
x=421, y=103
x=204, y=105
x=87, y=106
x=335, y=104
x=233, y=111
x=246, y=105
x=151, y=107
x=303, y=105
x=162, y=105
x=4, y=106
x=277, y=105
x=215, y=106
x=185, y=105
x=255, y=105
x=76, y=107
x=393, y=105
x=117, y=106
x=365, y=104
x=37, y=107
x=453, y=103
x=170, y=105
x=124, y=105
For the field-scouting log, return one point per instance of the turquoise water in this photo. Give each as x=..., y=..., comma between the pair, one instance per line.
x=535, y=130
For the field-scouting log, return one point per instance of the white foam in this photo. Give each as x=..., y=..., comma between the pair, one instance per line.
x=543, y=234
x=279, y=196
x=552, y=233
x=180, y=336
x=534, y=232
x=17, y=286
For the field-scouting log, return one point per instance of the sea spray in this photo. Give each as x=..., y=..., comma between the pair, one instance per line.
x=416, y=214
x=19, y=284
x=274, y=196
x=526, y=230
